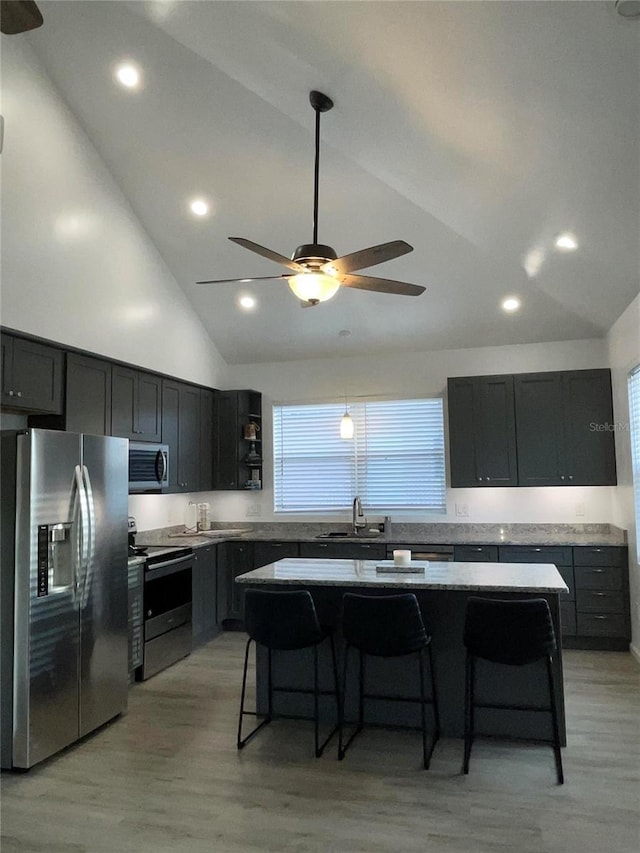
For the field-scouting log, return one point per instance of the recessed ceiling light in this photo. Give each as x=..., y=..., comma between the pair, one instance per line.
x=128, y=75
x=247, y=302
x=199, y=207
x=567, y=242
x=510, y=304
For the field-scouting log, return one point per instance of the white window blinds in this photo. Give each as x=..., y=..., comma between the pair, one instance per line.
x=395, y=460
x=634, y=423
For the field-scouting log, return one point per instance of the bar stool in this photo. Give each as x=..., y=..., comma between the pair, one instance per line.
x=387, y=626
x=285, y=621
x=515, y=633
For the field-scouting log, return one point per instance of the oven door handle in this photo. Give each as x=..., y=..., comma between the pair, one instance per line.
x=169, y=568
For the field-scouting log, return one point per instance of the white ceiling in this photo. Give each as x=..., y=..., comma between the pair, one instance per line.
x=475, y=131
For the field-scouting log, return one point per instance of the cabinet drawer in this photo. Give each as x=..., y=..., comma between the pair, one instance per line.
x=593, y=556
x=560, y=556
x=598, y=577
x=476, y=553
x=601, y=625
x=599, y=601
x=566, y=573
x=568, y=618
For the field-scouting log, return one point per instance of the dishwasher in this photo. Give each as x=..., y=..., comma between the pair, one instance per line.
x=431, y=553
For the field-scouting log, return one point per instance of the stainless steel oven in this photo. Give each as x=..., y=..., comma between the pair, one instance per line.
x=167, y=607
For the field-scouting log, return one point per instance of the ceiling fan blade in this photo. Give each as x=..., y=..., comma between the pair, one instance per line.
x=19, y=16
x=371, y=256
x=253, y=278
x=381, y=285
x=267, y=253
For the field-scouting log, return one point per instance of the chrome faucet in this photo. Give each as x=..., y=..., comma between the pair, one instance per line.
x=358, y=517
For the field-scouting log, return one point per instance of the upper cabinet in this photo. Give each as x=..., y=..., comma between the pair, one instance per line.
x=181, y=431
x=31, y=376
x=136, y=404
x=565, y=432
x=482, y=431
x=88, y=395
x=237, y=460
x=532, y=429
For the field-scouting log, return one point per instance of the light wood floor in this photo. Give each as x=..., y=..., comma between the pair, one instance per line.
x=167, y=777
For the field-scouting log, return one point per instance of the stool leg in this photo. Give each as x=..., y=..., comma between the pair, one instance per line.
x=240, y=742
x=270, y=686
x=316, y=708
x=423, y=711
x=341, y=746
x=434, y=695
x=468, y=709
x=361, y=688
x=554, y=720
x=320, y=747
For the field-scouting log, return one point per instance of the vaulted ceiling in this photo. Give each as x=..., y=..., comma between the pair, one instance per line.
x=477, y=132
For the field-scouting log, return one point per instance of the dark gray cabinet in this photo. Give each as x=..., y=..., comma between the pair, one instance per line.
x=234, y=558
x=344, y=550
x=271, y=552
x=482, y=432
x=207, y=438
x=602, y=596
x=88, y=395
x=532, y=429
x=136, y=408
x=204, y=590
x=237, y=459
x=564, y=428
x=31, y=376
x=181, y=431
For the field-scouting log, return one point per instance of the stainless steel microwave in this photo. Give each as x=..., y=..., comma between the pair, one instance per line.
x=148, y=467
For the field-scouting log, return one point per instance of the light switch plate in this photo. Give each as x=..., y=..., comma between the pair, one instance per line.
x=579, y=510
x=462, y=510
x=254, y=510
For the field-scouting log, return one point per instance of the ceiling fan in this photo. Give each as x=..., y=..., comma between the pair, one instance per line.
x=19, y=16
x=316, y=271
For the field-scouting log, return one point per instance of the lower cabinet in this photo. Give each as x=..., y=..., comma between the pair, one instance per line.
x=204, y=614
x=271, y=552
x=602, y=597
x=344, y=550
x=234, y=558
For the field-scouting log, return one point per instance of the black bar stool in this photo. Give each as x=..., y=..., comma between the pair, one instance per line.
x=387, y=626
x=515, y=633
x=285, y=621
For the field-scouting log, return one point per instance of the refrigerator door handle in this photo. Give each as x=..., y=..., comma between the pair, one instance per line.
x=84, y=532
x=91, y=537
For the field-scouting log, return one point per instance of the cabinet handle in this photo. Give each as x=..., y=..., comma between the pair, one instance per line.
x=597, y=571
x=562, y=476
x=18, y=393
x=537, y=550
x=597, y=550
x=276, y=544
x=10, y=393
x=479, y=479
x=599, y=594
x=479, y=550
x=571, y=476
x=365, y=546
x=600, y=617
x=488, y=478
x=322, y=545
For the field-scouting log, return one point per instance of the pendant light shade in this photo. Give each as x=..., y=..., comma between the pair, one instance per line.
x=346, y=425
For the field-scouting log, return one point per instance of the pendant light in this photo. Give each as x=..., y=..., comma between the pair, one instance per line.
x=346, y=423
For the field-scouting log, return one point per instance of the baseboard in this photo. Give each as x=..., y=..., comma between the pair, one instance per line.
x=635, y=651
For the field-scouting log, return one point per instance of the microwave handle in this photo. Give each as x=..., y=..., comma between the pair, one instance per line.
x=163, y=473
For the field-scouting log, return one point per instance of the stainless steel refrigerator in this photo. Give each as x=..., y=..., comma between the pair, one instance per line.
x=64, y=589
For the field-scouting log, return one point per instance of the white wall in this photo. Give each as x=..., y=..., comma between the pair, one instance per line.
x=77, y=267
x=418, y=373
x=623, y=343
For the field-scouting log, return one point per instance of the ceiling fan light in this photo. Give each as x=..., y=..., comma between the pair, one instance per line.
x=314, y=287
x=346, y=425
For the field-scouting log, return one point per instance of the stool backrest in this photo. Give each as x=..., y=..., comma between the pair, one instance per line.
x=282, y=620
x=383, y=625
x=514, y=632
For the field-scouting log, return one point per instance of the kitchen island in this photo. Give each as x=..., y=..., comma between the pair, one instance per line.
x=442, y=590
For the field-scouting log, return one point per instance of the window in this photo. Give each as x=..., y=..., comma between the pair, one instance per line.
x=634, y=420
x=395, y=460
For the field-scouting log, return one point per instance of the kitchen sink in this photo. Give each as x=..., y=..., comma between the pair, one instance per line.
x=346, y=534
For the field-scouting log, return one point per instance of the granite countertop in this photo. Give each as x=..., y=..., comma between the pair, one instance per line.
x=401, y=534
x=481, y=577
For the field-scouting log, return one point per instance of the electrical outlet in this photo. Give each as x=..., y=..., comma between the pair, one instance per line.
x=462, y=510
x=254, y=510
x=579, y=510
